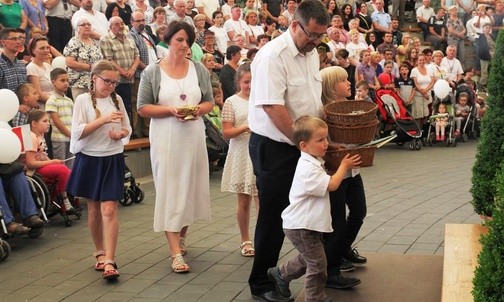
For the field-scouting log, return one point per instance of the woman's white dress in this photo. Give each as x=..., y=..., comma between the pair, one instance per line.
x=238, y=175
x=179, y=158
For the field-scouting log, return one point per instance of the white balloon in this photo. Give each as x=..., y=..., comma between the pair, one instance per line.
x=59, y=62
x=441, y=89
x=11, y=146
x=10, y=105
x=5, y=125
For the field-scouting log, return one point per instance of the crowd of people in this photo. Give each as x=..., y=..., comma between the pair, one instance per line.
x=259, y=66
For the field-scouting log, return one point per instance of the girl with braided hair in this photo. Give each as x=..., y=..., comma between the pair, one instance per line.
x=100, y=128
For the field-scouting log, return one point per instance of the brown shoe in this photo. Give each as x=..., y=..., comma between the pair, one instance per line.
x=17, y=228
x=33, y=222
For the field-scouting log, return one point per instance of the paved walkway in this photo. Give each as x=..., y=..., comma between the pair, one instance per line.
x=410, y=195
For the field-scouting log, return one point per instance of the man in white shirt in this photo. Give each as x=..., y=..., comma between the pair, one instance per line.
x=235, y=25
x=97, y=19
x=452, y=64
x=286, y=84
x=207, y=7
x=423, y=14
x=180, y=15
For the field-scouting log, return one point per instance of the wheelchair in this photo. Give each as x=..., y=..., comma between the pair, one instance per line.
x=49, y=202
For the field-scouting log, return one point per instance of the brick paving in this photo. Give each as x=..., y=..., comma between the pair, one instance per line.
x=410, y=196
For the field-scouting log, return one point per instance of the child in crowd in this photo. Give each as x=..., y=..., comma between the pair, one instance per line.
x=405, y=85
x=461, y=111
x=53, y=171
x=283, y=24
x=60, y=109
x=100, y=129
x=28, y=100
x=386, y=78
x=362, y=91
x=238, y=175
x=215, y=115
x=441, y=122
x=480, y=107
x=309, y=212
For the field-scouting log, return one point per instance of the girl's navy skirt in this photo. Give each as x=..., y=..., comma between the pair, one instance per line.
x=97, y=178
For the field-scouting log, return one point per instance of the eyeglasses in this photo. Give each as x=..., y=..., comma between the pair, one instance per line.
x=15, y=38
x=312, y=37
x=109, y=82
x=84, y=24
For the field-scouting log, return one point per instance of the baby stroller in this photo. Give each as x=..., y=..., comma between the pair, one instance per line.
x=217, y=146
x=450, y=139
x=470, y=125
x=395, y=119
x=132, y=191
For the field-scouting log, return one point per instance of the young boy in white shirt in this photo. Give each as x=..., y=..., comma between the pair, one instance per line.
x=309, y=212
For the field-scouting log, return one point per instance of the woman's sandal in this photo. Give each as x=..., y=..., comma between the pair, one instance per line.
x=179, y=265
x=100, y=264
x=246, y=249
x=182, y=245
x=109, y=274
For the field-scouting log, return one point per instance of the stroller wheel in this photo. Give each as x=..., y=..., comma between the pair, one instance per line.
x=68, y=222
x=454, y=143
x=6, y=249
x=465, y=138
x=418, y=146
x=411, y=145
x=2, y=254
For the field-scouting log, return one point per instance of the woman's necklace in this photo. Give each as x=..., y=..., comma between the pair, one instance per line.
x=182, y=95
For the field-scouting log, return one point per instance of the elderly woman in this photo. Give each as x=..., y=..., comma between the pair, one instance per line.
x=254, y=30
x=81, y=53
x=456, y=31
x=199, y=28
x=209, y=48
x=144, y=7
x=177, y=139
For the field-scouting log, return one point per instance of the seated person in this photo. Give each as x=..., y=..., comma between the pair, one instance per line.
x=462, y=110
x=14, y=180
x=53, y=171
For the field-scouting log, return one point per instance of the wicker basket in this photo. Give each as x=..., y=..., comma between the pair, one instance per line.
x=355, y=134
x=333, y=158
x=345, y=112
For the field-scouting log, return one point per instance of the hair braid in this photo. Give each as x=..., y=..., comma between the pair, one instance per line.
x=113, y=95
x=92, y=93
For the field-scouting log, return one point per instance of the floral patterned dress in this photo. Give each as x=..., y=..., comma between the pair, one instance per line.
x=83, y=53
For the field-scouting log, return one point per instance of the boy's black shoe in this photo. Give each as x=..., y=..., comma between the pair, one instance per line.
x=280, y=284
x=353, y=256
x=346, y=266
x=342, y=282
x=272, y=296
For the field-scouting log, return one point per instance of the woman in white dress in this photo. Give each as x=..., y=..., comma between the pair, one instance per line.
x=177, y=144
x=424, y=81
x=238, y=175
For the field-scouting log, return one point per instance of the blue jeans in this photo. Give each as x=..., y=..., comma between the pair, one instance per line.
x=20, y=190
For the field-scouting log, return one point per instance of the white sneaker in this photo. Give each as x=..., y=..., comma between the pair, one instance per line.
x=68, y=206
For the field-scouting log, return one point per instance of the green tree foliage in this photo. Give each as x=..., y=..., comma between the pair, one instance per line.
x=490, y=152
x=488, y=278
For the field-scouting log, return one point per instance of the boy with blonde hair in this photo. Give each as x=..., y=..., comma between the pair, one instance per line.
x=309, y=212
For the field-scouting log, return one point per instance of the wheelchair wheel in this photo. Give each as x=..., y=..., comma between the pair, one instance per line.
x=5, y=248
x=40, y=192
x=128, y=198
